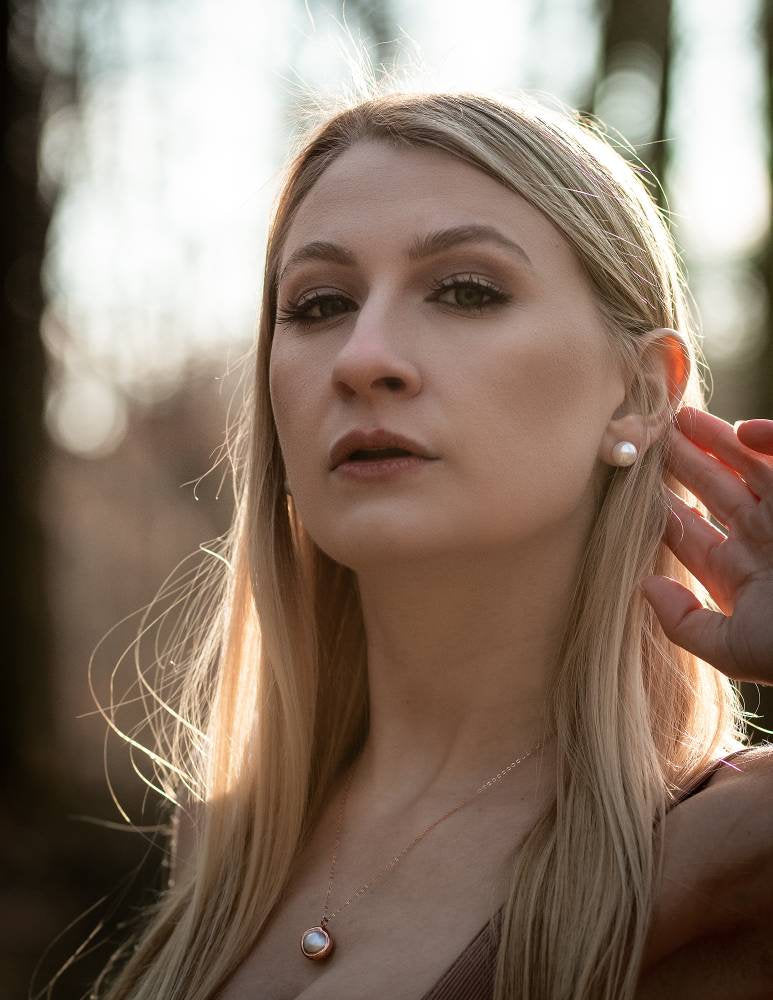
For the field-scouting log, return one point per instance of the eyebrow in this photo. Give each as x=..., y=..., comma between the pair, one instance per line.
x=423, y=246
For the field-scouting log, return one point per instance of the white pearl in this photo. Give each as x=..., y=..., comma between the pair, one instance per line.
x=314, y=941
x=624, y=453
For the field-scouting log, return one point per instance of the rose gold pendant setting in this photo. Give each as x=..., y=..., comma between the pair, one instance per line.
x=316, y=943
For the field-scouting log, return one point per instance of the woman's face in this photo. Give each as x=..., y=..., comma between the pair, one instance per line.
x=492, y=357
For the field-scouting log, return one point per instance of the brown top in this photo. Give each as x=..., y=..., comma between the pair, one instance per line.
x=471, y=975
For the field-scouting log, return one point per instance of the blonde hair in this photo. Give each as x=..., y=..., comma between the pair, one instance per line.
x=271, y=685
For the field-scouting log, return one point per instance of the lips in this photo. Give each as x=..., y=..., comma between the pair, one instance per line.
x=378, y=438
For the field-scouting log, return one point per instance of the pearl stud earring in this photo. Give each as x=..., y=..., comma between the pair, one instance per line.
x=624, y=453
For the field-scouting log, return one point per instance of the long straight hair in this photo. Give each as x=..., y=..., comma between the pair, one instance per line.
x=271, y=696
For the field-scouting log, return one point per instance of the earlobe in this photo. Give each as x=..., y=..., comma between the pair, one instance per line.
x=624, y=440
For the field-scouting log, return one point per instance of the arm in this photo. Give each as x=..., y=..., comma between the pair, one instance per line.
x=727, y=966
x=712, y=928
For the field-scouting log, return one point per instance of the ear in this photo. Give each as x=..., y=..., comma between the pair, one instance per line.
x=654, y=393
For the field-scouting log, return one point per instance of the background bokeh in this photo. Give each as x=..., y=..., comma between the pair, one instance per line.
x=141, y=146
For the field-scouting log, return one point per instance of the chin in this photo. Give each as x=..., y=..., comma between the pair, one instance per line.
x=378, y=546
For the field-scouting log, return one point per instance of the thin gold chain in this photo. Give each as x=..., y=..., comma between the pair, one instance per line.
x=327, y=917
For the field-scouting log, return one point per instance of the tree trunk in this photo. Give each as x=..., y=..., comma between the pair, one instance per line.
x=641, y=28
x=26, y=716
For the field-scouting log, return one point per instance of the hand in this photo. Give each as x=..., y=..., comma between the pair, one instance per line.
x=732, y=474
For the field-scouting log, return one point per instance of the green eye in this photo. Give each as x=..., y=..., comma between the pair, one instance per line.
x=470, y=293
x=301, y=312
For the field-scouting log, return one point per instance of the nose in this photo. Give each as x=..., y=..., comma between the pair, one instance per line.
x=373, y=357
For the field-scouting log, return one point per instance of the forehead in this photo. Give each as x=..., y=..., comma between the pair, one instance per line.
x=377, y=194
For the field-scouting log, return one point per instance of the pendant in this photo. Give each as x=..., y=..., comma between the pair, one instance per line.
x=316, y=943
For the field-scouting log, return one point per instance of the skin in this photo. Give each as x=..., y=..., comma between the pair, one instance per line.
x=465, y=565
x=730, y=469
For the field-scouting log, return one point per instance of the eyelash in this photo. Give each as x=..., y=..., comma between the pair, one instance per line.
x=297, y=312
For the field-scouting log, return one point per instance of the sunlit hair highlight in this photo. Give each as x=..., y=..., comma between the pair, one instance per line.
x=271, y=697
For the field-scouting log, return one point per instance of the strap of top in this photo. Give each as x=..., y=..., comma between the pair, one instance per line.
x=715, y=766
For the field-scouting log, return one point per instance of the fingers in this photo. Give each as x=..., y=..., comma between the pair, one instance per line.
x=716, y=436
x=687, y=623
x=713, y=477
x=756, y=434
x=693, y=540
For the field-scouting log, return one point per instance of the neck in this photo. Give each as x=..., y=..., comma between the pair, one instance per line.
x=461, y=656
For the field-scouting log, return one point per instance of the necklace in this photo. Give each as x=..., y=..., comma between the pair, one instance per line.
x=317, y=942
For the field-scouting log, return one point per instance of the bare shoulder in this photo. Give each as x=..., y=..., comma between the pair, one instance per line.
x=712, y=919
x=739, y=807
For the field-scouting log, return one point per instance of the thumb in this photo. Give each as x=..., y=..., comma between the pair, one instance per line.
x=685, y=621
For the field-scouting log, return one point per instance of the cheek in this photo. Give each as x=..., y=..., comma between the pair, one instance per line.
x=290, y=394
x=537, y=428
x=277, y=387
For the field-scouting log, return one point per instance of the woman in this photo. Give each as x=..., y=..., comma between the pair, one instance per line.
x=457, y=664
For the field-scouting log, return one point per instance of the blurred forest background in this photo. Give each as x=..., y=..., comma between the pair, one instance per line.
x=141, y=141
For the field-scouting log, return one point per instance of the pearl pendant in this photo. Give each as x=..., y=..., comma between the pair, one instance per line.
x=316, y=943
